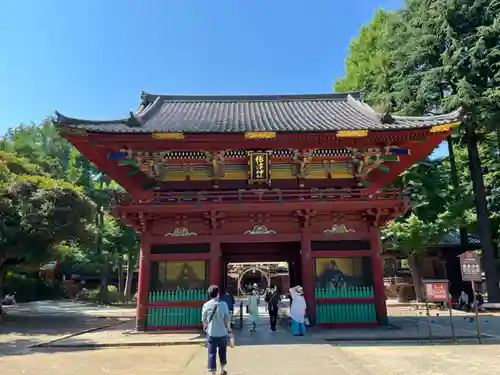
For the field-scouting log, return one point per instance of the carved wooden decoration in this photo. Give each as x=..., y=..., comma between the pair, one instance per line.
x=181, y=232
x=357, y=164
x=301, y=161
x=260, y=229
x=339, y=228
x=218, y=165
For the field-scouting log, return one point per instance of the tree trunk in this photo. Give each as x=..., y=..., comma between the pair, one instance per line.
x=103, y=291
x=414, y=263
x=119, y=270
x=464, y=238
x=130, y=277
x=3, y=274
x=489, y=258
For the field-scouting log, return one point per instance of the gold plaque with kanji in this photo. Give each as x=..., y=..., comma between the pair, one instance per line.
x=259, y=167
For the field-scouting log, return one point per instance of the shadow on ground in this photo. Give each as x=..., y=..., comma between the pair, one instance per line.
x=74, y=329
x=31, y=324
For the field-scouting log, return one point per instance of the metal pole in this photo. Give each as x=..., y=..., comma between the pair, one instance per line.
x=241, y=314
x=478, y=328
x=452, y=326
x=428, y=320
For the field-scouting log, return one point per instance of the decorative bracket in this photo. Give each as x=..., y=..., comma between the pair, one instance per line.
x=306, y=216
x=213, y=218
x=142, y=222
x=375, y=213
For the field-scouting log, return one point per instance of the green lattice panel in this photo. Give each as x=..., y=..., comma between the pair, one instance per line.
x=353, y=292
x=342, y=312
x=178, y=295
x=346, y=313
x=173, y=316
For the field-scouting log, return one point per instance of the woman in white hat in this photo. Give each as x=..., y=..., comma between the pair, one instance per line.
x=298, y=311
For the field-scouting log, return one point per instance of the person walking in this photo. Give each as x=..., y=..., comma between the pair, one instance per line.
x=216, y=321
x=253, y=309
x=229, y=299
x=298, y=311
x=273, y=300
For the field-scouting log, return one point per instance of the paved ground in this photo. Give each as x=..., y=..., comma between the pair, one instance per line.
x=30, y=324
x=293, y=358
x=137, y=361
x=68, y=308
x=409, y=325
x=261, y=352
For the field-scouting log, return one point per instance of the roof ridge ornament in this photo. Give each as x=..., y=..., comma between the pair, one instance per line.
x=144, y=98
x=133, y=121
x=386, y=118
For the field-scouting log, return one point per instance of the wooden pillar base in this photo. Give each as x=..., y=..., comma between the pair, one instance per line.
x=307, y=268
x=215, y=263
x=378, y=276
x=143, y=285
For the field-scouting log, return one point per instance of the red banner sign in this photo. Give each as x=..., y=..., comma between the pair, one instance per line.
x=436, y=291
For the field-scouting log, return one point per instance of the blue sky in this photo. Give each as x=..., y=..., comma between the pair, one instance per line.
x=92, y=58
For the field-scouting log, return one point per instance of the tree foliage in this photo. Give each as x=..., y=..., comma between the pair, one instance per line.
x=51, y=204
x=430, y=57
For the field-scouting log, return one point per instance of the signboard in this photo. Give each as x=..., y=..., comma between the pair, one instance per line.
x=259, y=167
x=436, y=290
x=470, y=266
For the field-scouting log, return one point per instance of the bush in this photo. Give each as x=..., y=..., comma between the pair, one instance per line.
x=113, y=295
x=93, y=295
x=30, y=289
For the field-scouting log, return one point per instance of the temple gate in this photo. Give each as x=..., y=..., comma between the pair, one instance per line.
x=302, y=179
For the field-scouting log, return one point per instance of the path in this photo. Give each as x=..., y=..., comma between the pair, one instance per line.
x=29, y=324
x=262, y=352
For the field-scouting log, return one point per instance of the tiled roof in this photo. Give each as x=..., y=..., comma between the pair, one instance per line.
x=452, y=238
x=235, y=114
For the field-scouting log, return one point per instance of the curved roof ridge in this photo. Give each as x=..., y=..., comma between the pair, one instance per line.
x=456, y=113
x=59, y=118
x=364, y=109
x=146, y=111
x=148, y=98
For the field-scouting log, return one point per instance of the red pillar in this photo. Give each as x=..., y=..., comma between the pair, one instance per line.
x=215, y=263
x=378, y=275
x=307, y=267
x=143, y=284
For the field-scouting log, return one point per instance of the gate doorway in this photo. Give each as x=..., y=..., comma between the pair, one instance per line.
x=262, y=263
x=241, y=277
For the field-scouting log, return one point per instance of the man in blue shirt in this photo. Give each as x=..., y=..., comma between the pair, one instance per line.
x=216, y=321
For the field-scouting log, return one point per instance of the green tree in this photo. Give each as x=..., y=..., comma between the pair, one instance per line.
x=452, y=50
x=47, y=154
x=441, y=55
x=368, y=65
x=37, y=213
x=412, y=236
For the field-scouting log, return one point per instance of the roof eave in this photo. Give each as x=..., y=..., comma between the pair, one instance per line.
x=59, y=119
